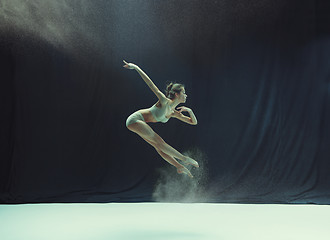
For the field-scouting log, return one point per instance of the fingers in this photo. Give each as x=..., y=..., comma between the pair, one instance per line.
x=180, y=109
x=129, y=65
x=125, y=63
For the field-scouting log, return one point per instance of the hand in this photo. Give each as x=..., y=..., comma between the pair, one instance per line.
x=129, y=65
x=183, y=109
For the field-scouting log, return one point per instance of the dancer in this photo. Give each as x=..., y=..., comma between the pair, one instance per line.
x=162, y=111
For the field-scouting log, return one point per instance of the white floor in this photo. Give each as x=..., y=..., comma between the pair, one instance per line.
x=154, y=221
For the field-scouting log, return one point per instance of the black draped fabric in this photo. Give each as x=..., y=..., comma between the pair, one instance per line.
x=257, y=77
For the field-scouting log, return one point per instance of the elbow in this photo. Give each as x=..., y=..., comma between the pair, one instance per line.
x=193, y=123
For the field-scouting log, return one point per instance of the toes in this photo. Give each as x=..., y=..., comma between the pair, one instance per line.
x=185, y=171
x=191, y=162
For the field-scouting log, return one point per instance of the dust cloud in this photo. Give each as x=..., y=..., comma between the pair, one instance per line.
x=174, y=187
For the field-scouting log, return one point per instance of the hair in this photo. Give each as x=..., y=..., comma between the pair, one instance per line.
x=173, y=88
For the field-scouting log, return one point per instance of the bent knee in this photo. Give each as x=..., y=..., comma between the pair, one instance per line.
x=134, y=127
x=130, y=127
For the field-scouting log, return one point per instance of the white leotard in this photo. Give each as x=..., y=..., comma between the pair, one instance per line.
x=160, y=113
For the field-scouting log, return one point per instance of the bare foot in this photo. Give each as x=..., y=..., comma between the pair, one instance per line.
x=191, y=161
x=184, y=171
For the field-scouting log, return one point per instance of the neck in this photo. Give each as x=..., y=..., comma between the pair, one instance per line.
x=175, y=102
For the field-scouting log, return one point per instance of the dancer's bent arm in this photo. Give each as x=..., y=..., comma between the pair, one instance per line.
x=161, y=96
x=190, y=120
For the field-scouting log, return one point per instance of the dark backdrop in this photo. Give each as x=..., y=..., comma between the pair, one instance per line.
x=256, y=74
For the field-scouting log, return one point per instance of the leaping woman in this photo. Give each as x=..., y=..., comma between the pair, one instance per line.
x=162, y=111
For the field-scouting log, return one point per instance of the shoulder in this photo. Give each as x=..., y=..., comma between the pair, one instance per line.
x=161, y=97
x=163, y=101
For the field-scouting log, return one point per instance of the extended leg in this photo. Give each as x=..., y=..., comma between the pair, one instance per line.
x=185, y=159
x=180, y=168
x=165, y=150
x=146, y=132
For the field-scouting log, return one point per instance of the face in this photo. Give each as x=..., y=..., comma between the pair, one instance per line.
x=182, y=96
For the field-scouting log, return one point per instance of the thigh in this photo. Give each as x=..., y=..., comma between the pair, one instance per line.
x=133, y=118
x=143, y=129
x=146, y=132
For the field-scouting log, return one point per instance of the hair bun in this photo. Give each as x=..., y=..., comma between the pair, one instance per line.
x=169, y=88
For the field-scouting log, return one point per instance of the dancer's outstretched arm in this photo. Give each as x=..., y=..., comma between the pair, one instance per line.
x=161, y=96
